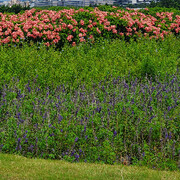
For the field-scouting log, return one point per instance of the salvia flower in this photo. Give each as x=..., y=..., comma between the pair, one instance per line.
x=115, y=132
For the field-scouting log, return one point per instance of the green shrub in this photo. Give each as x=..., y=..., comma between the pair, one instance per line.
x=89, y=63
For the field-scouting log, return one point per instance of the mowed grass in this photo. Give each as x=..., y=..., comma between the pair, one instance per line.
x=17, y=167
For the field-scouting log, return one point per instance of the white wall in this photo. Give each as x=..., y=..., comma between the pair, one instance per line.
x=134, y=1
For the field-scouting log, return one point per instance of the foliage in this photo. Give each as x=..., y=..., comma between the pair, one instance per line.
x=14, y=9
x=93, y=85
x=76, y=26
x=89, y=63
x=166, y=3
x=113, y=121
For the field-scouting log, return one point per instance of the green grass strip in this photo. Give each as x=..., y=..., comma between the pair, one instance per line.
x=17, y=167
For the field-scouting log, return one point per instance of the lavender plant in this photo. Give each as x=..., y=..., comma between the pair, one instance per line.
x=114, y=121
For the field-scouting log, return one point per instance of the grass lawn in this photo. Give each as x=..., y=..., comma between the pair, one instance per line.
x=17, y=167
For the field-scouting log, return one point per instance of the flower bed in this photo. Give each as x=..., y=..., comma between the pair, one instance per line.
x=75, y=26
x=115, y=121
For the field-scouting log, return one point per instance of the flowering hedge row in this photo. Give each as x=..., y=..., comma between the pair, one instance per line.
x=74, y=26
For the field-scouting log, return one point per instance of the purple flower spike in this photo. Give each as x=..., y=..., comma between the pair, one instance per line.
x=166, y=135
x=132, y=101
x=29, y=89
x=72, y=153
x=115, y=133
x=115, y=113
x=151, y=118
x=51, y=134
x=84, y=128
x=1, y=146
x=31, y=148
x=77, y=156
x=25, y=136
x=80, y=150
x=170, y=135
x=60, y=118
x=76, y=139
x=169, y=108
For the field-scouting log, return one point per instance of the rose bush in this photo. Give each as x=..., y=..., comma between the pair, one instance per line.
x=82, y=25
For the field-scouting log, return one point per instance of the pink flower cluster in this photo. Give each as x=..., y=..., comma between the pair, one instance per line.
x=51, y=27
x=154, y=27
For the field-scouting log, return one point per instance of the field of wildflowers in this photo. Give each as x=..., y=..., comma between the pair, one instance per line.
x=69, y=91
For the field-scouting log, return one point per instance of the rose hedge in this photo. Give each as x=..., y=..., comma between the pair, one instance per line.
x=83, y=25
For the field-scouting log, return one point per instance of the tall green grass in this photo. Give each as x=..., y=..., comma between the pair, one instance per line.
x=89, y=63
